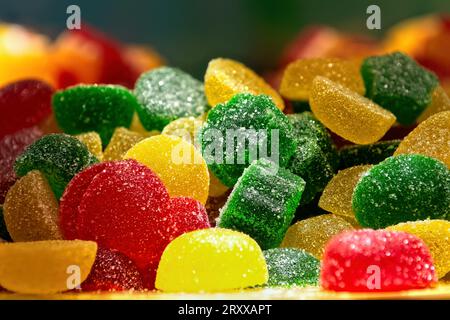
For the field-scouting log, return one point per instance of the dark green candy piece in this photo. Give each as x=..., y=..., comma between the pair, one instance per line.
x=400, y=189
x=399, y=84
x=354, y=155
x=263, y=202
x=58, y=156
x=166, y=94
x=300, y=106
x=291, y=267
x=4, y=234
x=246, y=128
x=99, y=108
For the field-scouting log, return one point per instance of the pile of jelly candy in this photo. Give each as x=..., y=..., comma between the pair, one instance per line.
x=180, y=185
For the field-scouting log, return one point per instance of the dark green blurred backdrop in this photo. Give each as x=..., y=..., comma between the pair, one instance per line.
x=191, y=32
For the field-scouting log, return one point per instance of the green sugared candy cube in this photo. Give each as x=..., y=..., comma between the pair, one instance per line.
x=254, y=126
x=396, y=82
x=263, y=203
x=99, y=108
x=310, y=163
x=291, y=267
x=4, y=234
x=166, y=94
x=354, y=155
x=58, y=156
x=400, y=189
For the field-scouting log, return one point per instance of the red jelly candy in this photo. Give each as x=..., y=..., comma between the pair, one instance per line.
x=376, y=260
x=24, y=104
x=11, y=146
x=112, y=271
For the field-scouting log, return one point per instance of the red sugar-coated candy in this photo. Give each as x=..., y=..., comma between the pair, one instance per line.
x=112, y=271
x=11, y=146
x=24, y=104
x=376, y=260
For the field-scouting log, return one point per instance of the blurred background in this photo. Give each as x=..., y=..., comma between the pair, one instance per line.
x=189, y=33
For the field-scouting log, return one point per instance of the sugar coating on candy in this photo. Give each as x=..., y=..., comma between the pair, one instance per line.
x=93, y=143
x=166, y=94
x=440, y=102
x=255, y=128
x=430, y=138
x=121, y=141
x=211, y=260
x=291, y=267
x=337, y=195
x=186, y=128
x=396, y=82
x=177, y=163
x=353, y=155
x=436, y=235
x=348, y=114
x=263, y=202
x=312, y=234
x=299, y=75
x=376, y=260
x=31, y=209
x=99, y=108
x=24, y=104
x=310, y=163
x=307, y=127
x=41, y=267
x=11, y=146
x=224, y=78
x=402, y=188
x=58, y=156
x=112, y=271
x=4, y=234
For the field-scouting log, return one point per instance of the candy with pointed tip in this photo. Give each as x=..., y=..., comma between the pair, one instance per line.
x=93, y=142
x=121, y=141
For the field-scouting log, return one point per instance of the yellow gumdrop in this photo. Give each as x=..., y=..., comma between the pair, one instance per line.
x=225, y=78
x=31, y=210
x=211, y=260
x=177, y=163
x=312, y=234
x=45, y=267
x=436, y=235
x=439, y=102
x=430, y=138
x=299, y=75
x=93, y=142
x=337, y=195
x=347, y=113
x=121, y=141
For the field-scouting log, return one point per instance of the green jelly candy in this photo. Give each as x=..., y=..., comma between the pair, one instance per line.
x=262, y=203
x=4, y=234
x=310, y=163
x=58, y=156
x=99, y=108
x=300, y=106
x=355, y=155
x=166, y=94
x=400, y=189
x=396, y=82
x=246, y=128
x=291, y=267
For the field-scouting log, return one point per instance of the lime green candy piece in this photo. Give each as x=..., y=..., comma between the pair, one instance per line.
x=99, y=108
x=211, y=260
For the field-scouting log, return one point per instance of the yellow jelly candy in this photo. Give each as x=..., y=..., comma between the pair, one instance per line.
x=225, y=78
x=439, y=102
x=312, y=234
x=337, y=195
x=177, y=163
x=430, y=138
x=31, y=209
x=299, y=75
x=136, y=126
x=44, y=267
x=93, y=142
x=347, y=113
x=121, y=141
x=211, y=260
x=436, y=235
